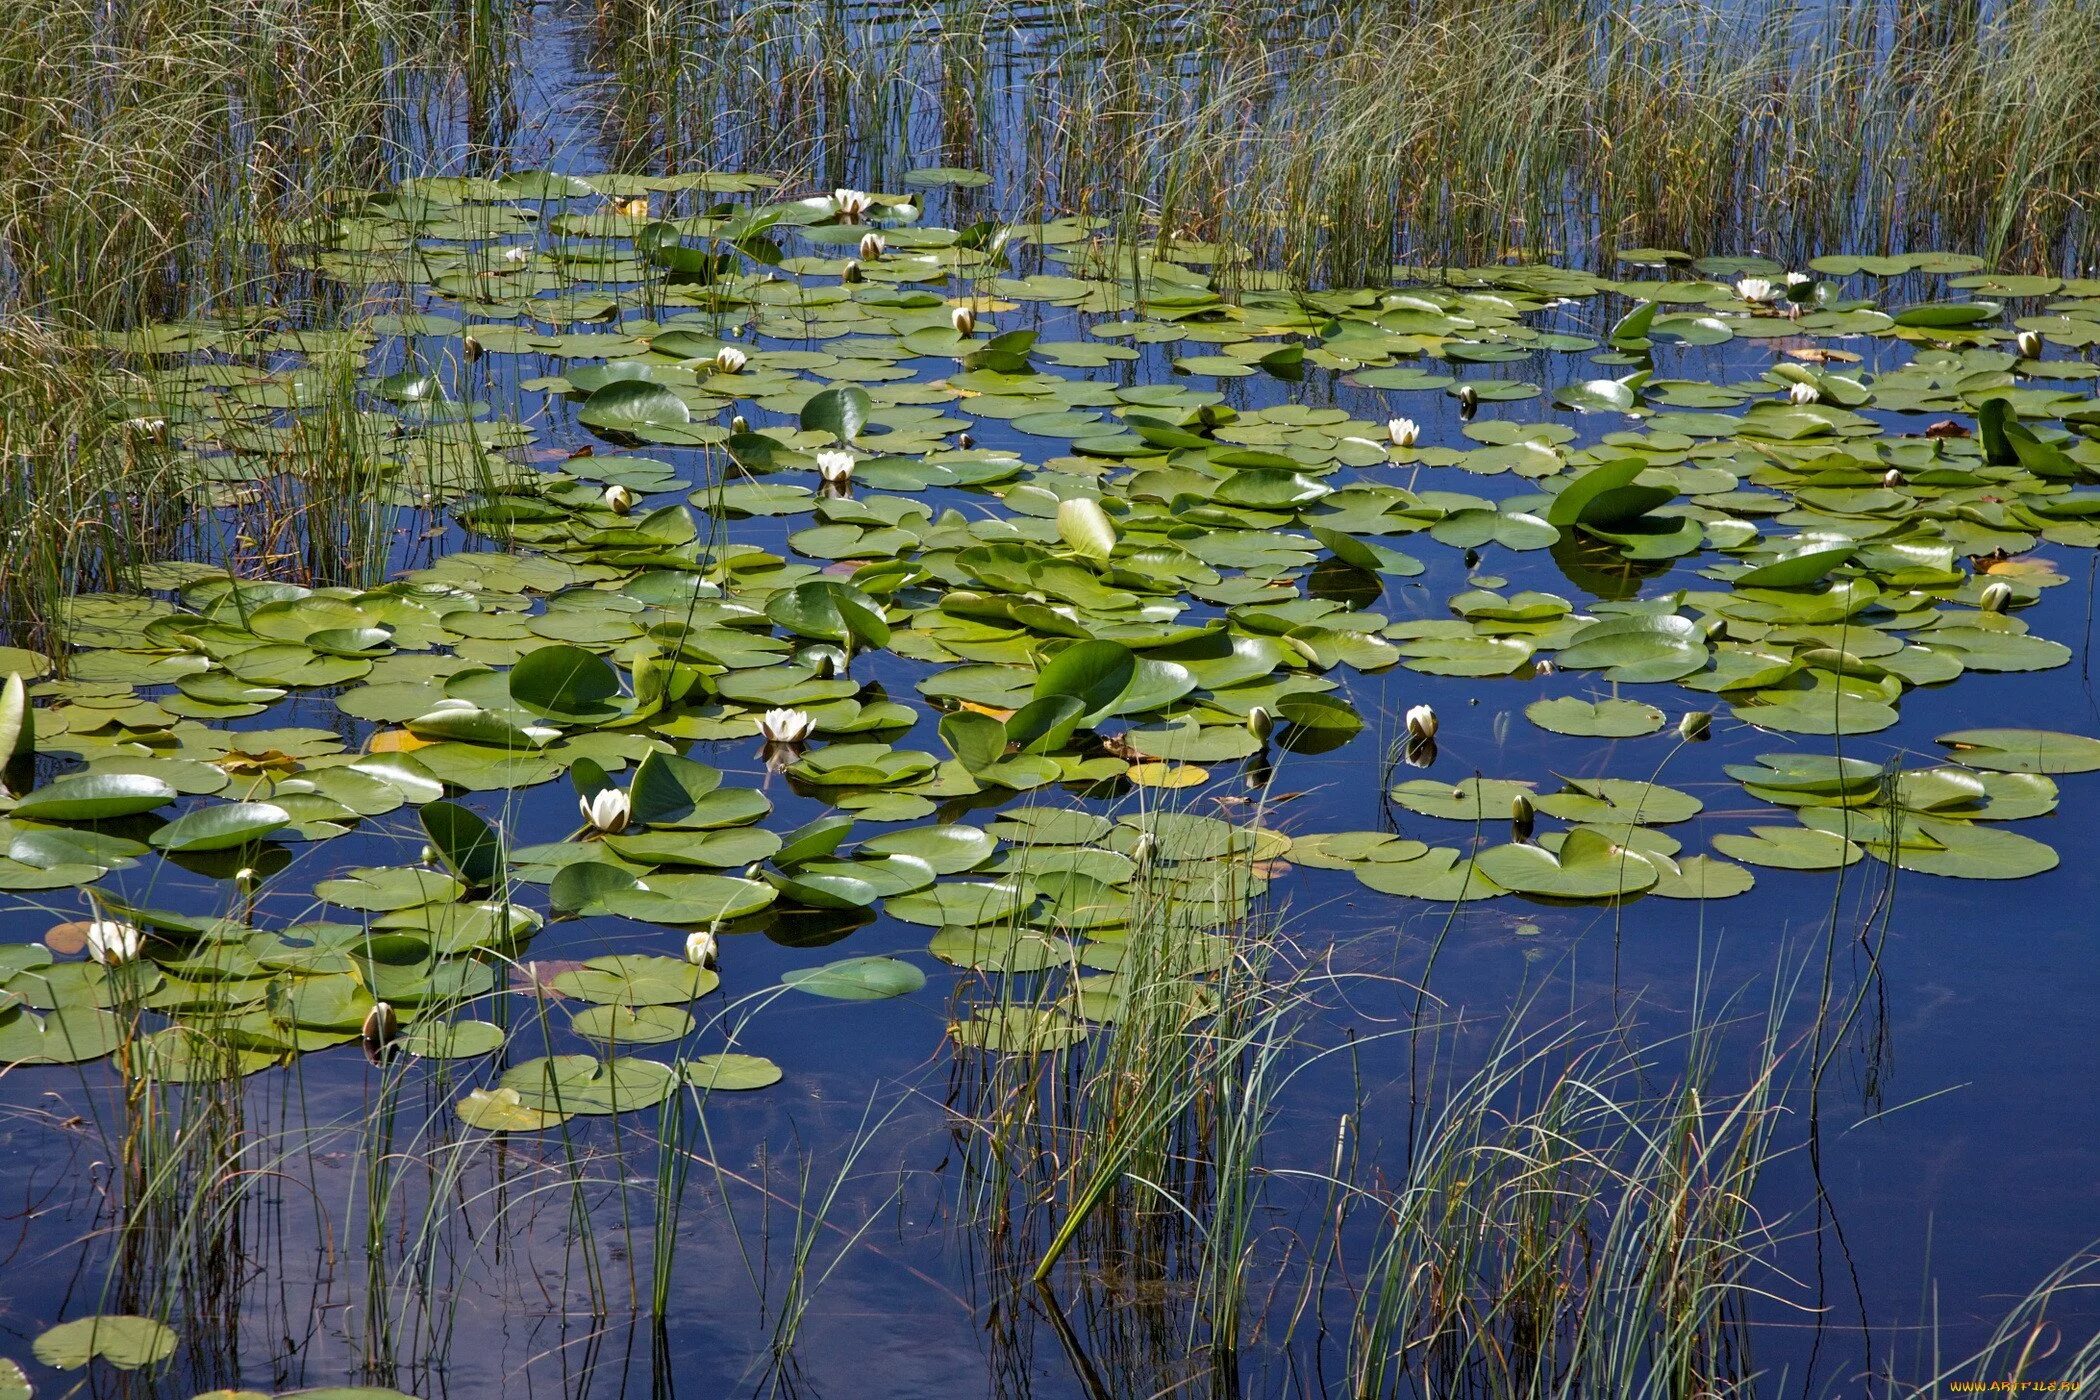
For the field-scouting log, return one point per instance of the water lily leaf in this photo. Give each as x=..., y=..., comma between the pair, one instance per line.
x=222, y=827
x=841, y=411
x=69, y=1034
x=617, y=1024
x=17, y=721
x=1638, y=648
x=503, y=1110
x=719, y=850
x=822, y=891
x=730, y=1072
x=1699, y=877
x=583, y=1084
x=126, y=1342
x=1022, y=1030
x=948, y=849
x=1613, y=719
x=375, y=889
x=1587, y=866
x=1470, y=800
x=452, y=1040
x=1797, y=568
x=1789, y=848
x=634, y=406
x=1617, y=800
x=857, y=979
x=469, y=846
x=93, y=797
x=1931, y=846
x=567, y=685
x=671, y=791
x=2024, y=750
x=966, y=903
x=829, y=610
x=1094, y=673
x=1437, y=874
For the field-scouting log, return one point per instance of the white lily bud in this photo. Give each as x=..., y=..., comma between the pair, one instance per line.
x=1421, y=723
x=1892, y=479
x=153, y=428
x=381, y=1024
x=785, y=726
x=738, y=423
x=852, y=203
x=606, y=809
x=871, y=246
x=1804, y=392
x=2029, y=344
x=1260, y=723
x=835, y=466
x=729, y=360
x=964, y=319
x=1544, y=668
x=471, y=348
x=1521, y=814
x=247, y=879
x=1754, y=289
x=1800, y=279
x=851, y=271
x=1695, y=725
x=114, y=942
x=700, y=949
x=618, y=499
x=1404, y=432
x=1996, y=596
x=1468, y=398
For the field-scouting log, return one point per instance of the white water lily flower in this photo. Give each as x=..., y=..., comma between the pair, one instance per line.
x=1996, y=596
x=606, y=809
x=381, y=1022
x=964, y=319
x=729, y=360
x=516, y=254
x=113, y=942
x=1799, y=279
x=2029, y=344
x=1804, y=392
x=785, y=726
x=835, y=466
x=618, y=499
x=1404, y=432
x=155, y=428
x=1754, y=288
x=852, y=203
x=871, y=246
x=1421, y=723
x=700, y=948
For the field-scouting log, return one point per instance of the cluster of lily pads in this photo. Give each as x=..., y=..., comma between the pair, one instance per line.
x=1179, y=582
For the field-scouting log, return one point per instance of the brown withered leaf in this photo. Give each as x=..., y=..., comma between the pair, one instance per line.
x=67, y=937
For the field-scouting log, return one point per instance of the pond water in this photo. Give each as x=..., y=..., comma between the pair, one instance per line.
x=1754, y=613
